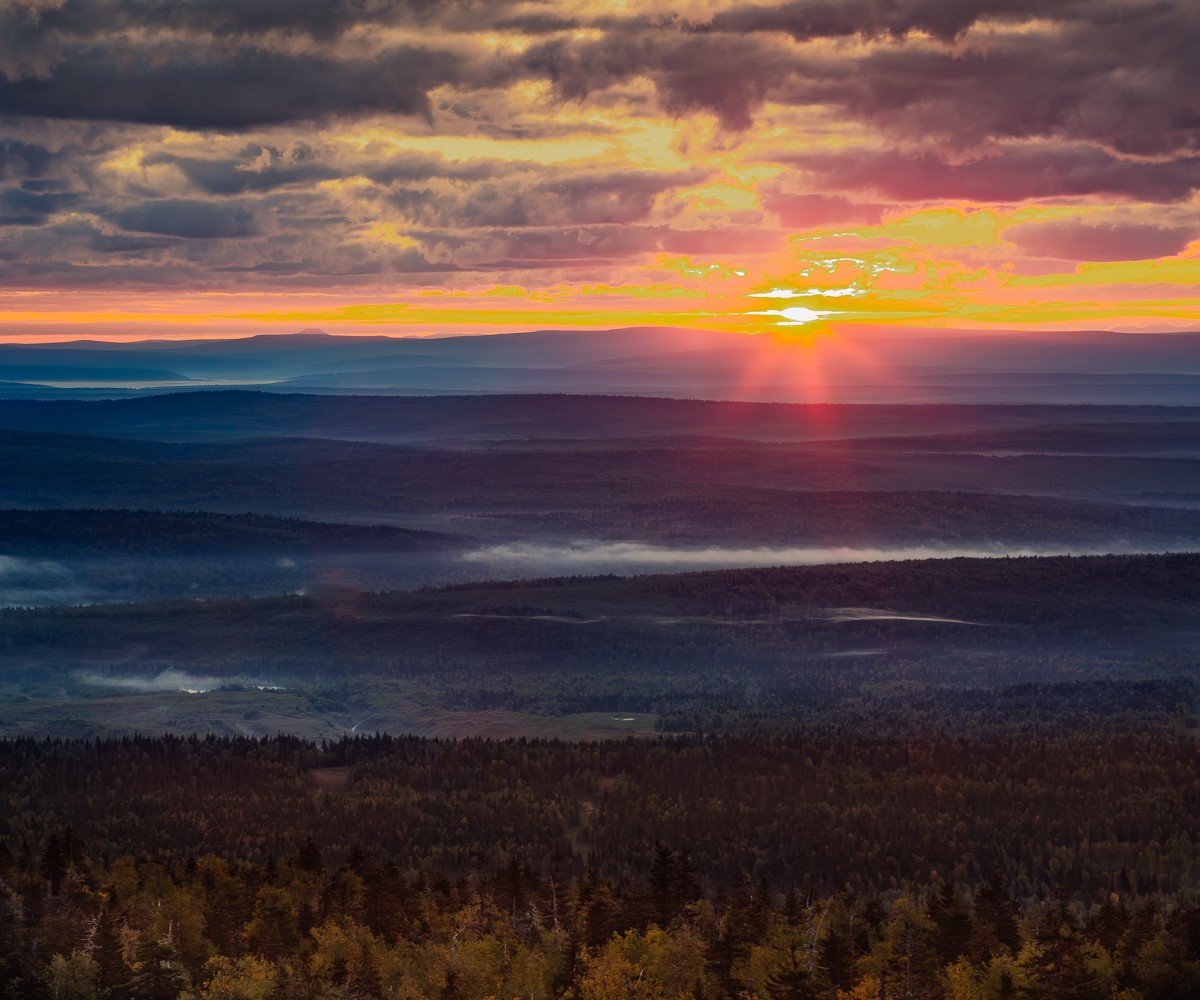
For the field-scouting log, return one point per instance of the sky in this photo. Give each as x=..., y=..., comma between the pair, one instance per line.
x=194, y=168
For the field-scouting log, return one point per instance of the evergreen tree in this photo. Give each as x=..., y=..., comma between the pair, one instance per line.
x=114, y=977
x=160, y=975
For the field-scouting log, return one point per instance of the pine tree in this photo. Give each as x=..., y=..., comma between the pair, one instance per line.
x=115, y=976
x=160, y=975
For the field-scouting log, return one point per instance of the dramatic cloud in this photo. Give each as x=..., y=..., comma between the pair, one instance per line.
x=807, y=211
x=1074, y=240
x=583, y=199
x=413, y=158
x=189, y=219
x=257, y=169
x=1004, y=173
x=24, y=207
x=23, y=159
x=246, y=88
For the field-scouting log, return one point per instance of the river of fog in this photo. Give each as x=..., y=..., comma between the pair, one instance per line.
x=524, y=559
x=168, y=681
x=37, y=582
x=164, y=681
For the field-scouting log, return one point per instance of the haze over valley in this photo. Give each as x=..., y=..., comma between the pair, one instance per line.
x=228, y=492
x=334, y=514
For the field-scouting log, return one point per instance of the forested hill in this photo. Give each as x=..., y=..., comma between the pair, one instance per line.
x=226, y=413
x=1018, y=600
x=964, y=645
x=109, y=532
x=829, y=867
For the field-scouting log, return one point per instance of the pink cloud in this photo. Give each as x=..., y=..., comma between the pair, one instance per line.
x=805, y=211
x=1075, y=240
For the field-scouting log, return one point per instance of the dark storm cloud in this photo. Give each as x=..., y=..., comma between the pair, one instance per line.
x=62, y=274
x=47, y=184
x=411, y=168
x=1079, y=84
x=113, y=243
x=564, y=247
x=195, y=220
x=584, y=246
x=27, y=48
x=267, y=267
x=20, y=160
x=320, y=20
x=78, y=234
x=945, y=19
x=545, y=23
x=1120, y=73
x=729, y=76
x=395, y=260
x=1117, y=73
x=19, y=207
x=235, y=176
x=601, y=198
x=247, y=88
x=135, y=264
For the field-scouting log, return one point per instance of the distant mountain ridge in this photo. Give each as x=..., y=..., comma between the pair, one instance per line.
x=947, y=367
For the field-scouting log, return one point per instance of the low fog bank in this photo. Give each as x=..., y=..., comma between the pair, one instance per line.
x=38, y=582
x=14, y=567
x=840, y=615
x=166, y=681
x=32, y=583
x=595, y=557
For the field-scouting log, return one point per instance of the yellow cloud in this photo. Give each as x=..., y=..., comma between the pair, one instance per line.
x=1173, y=271
x=961, y=226
x=382, y=232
